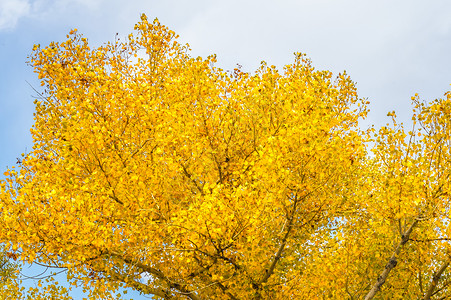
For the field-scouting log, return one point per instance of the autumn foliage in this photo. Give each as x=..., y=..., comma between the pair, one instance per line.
x=162, y=173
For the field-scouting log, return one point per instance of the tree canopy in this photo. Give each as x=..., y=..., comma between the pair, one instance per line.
x=160, y=172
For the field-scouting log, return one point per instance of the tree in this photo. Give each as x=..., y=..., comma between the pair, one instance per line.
x=416, y=199
x=160, y=172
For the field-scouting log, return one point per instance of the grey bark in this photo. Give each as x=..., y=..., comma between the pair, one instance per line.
x=391, y=263
x=435, y=280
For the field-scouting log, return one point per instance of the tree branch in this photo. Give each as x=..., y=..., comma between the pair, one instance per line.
x=391, y=263
x=435, y=280
x=278, y=256
x=141, y=287
x=157, y=273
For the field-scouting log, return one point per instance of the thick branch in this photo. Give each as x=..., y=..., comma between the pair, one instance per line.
x=188, y=175
x=435, y=280
x=157, y=273
x=278, y=256
x=141, y=287
x=391, y=263
x=224, y=289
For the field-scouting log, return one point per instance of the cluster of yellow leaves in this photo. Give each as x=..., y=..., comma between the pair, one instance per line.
x=160, y=172
x=11, y=286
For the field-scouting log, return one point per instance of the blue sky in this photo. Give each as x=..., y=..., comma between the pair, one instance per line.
x=392, y=49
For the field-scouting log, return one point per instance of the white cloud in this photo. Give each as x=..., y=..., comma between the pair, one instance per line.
x=63, y=6
x=11, y=11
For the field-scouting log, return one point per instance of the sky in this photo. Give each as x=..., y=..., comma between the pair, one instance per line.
x=392, y=49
